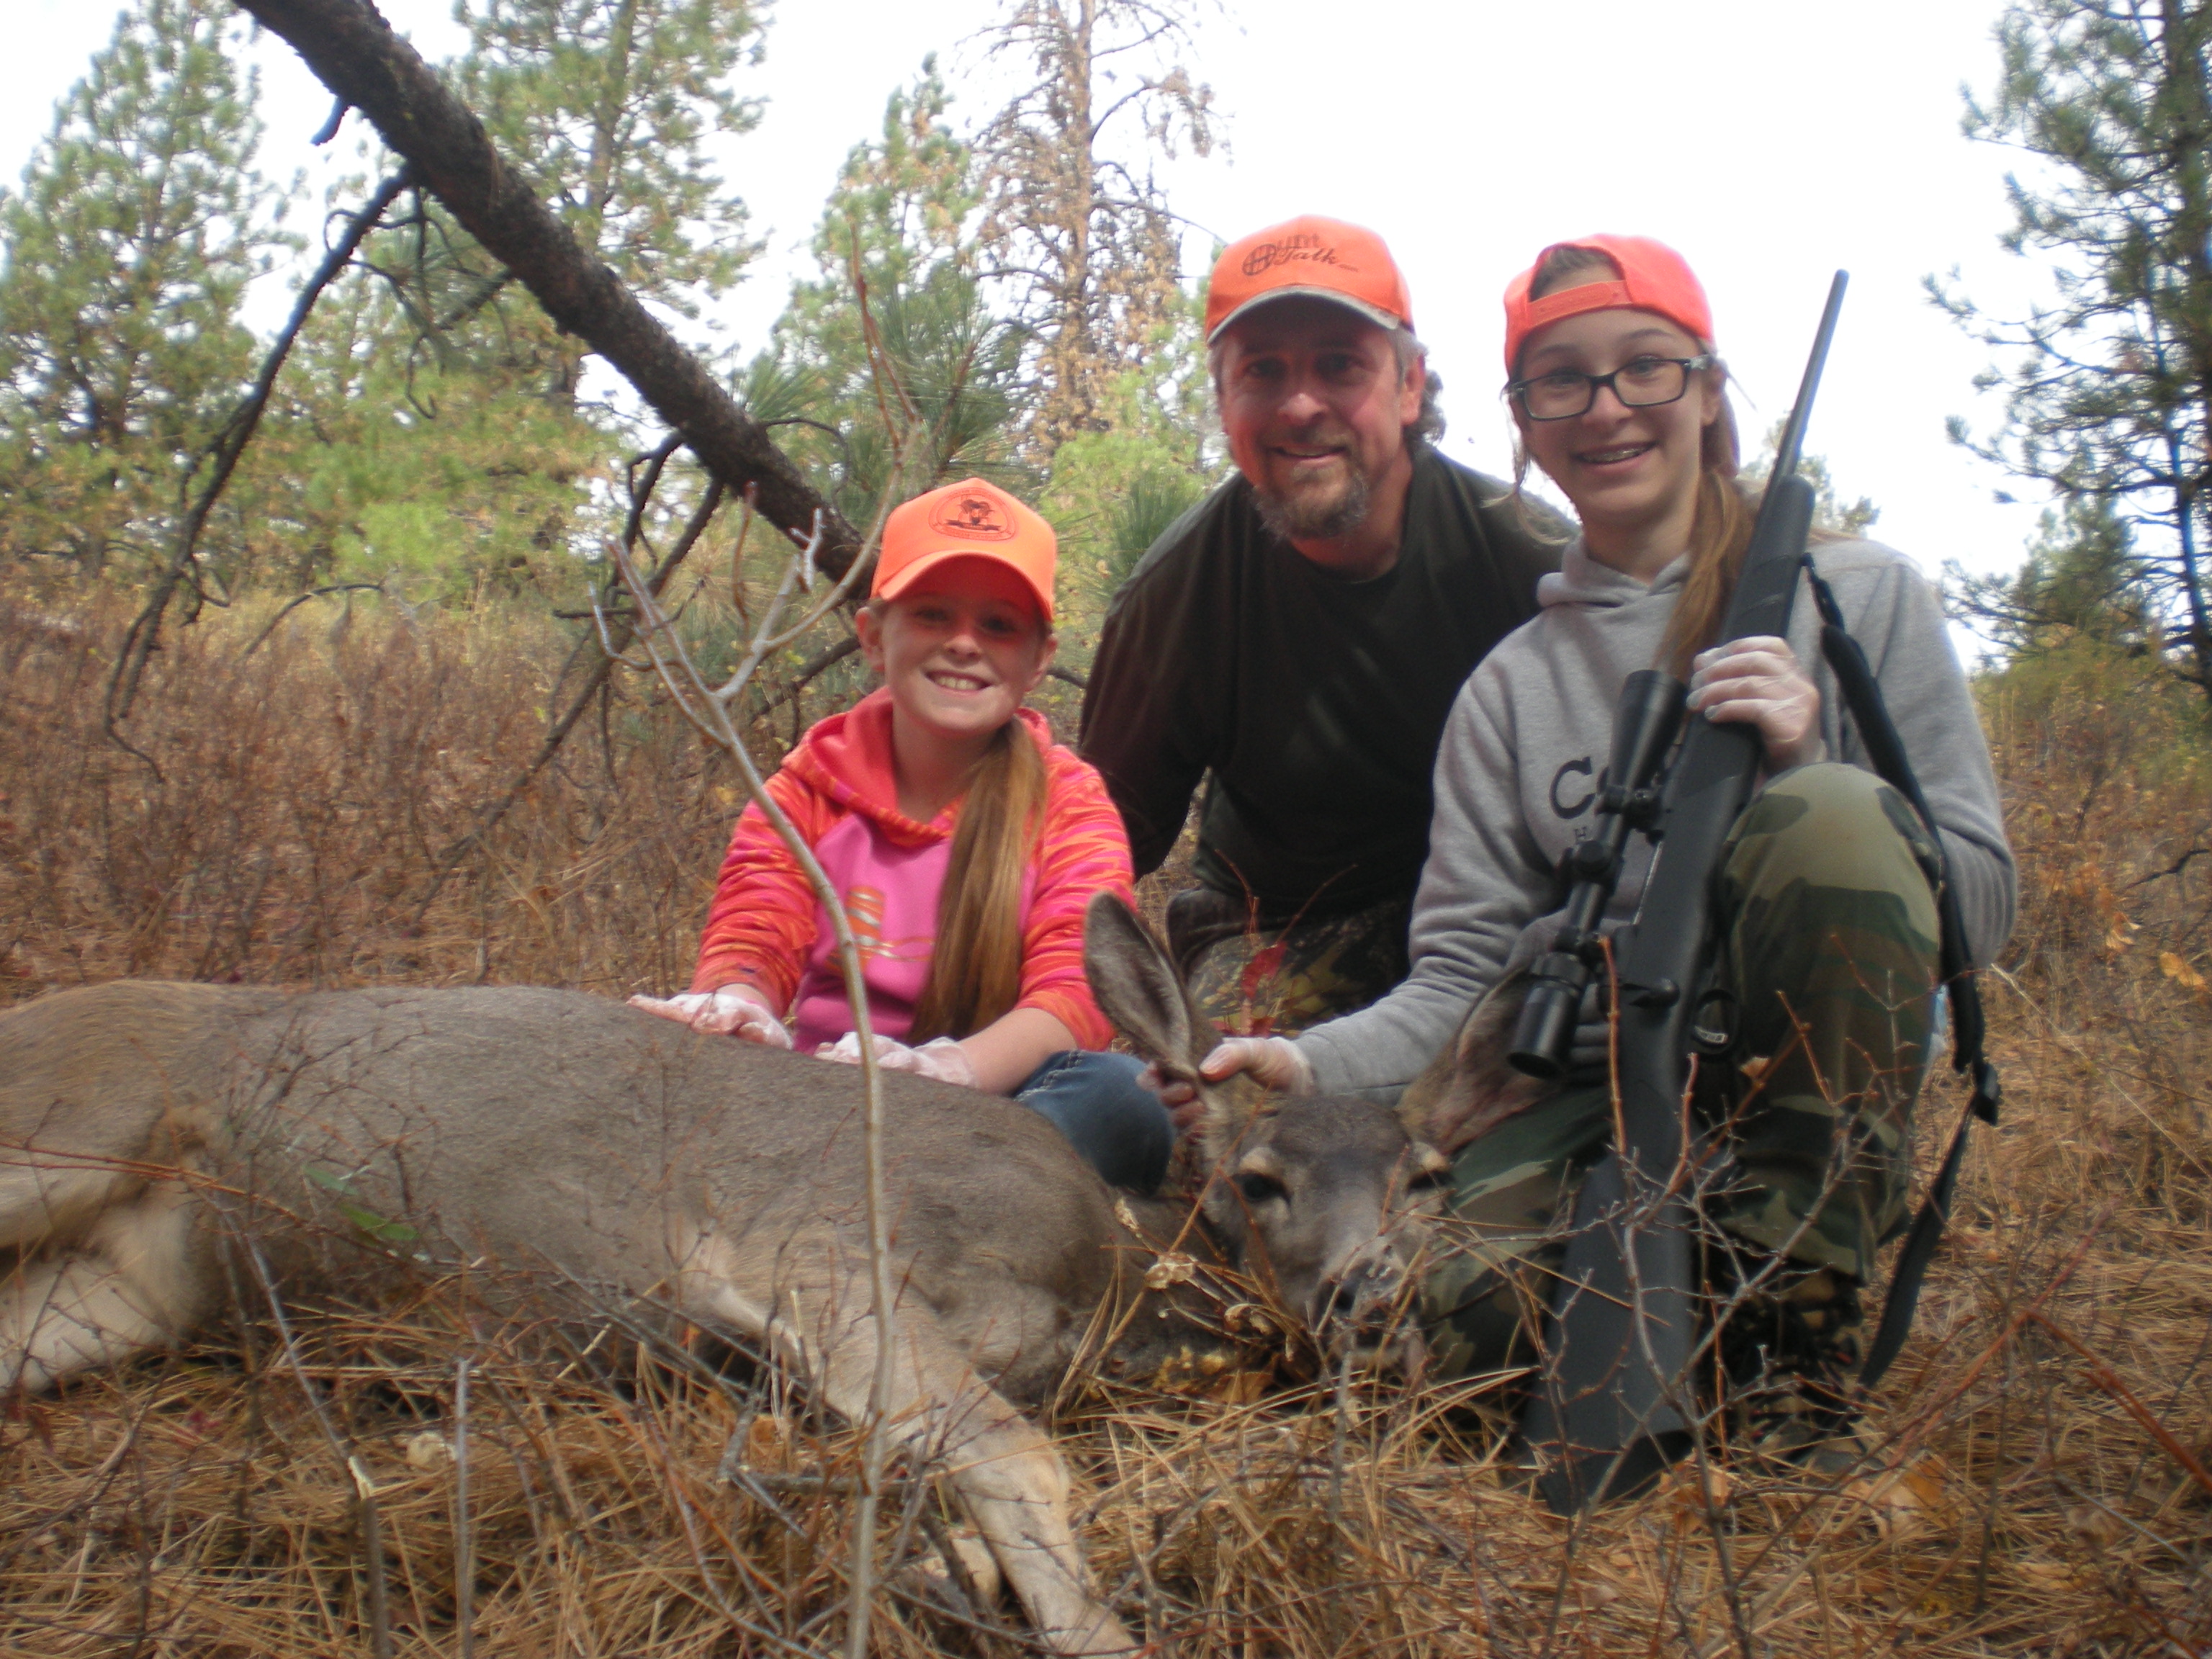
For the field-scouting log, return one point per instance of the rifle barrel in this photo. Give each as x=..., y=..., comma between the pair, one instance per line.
x=1793, y=430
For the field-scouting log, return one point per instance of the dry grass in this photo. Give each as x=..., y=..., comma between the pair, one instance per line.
x=2030, y=1499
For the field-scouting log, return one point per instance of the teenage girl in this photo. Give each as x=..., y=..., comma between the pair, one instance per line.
x=1831, y=934
x=963, y=843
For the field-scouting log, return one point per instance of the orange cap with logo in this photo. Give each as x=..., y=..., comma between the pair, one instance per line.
x=971, y=519
x=1322, y=259
x=1653, y=278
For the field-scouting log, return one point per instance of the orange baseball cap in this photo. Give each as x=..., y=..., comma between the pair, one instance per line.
x=970, y=519
x=1325, y=258
x=1653, y=278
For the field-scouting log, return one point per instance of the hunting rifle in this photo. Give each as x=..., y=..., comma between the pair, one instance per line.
x=1607, y=1417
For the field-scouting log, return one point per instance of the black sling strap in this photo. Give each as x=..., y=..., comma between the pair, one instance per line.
x=1885, y=750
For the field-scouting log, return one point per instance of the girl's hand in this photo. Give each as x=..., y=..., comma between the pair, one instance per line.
x=940, y=1058
x=1759, y=680
x=1274, y=1062
x=736, y=1010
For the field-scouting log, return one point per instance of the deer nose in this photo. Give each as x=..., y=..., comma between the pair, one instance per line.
x=1362, y=1292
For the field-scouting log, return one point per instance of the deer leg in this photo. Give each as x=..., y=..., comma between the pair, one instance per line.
x=1009, y=1478
x=134, y=1279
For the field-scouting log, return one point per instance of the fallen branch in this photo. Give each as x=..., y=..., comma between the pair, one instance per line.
x=357, y=54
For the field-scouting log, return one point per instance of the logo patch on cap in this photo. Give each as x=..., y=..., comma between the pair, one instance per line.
x=972, y=515
x=1293, y=250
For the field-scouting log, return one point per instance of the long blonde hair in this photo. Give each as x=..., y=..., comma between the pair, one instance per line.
x=976, y=967
x=1720, y=534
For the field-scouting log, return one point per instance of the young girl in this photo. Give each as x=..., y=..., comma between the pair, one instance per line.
x=963, y=843
x=1830, y=944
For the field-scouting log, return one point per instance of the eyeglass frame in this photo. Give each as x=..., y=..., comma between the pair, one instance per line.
x=1689, y=366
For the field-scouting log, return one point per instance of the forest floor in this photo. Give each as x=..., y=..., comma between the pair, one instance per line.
x=302, y=815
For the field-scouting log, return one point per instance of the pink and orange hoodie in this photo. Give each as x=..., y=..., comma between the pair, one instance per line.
x=766, y=927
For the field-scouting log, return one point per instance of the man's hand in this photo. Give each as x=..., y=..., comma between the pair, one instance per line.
x=1759, y=680
x=735, y=1010
x=940, y=1058
x=1274, y=1062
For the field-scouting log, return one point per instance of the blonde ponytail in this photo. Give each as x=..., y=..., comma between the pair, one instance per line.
x=976, y=967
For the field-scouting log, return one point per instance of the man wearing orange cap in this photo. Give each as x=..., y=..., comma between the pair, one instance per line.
x=1298, y=637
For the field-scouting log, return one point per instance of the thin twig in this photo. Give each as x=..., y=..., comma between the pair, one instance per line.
x=464, y=1564
x=142, y=637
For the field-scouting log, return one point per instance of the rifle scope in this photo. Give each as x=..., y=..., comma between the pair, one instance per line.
x=1643, y=726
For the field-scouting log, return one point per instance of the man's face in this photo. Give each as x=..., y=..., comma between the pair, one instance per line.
x=1315, y=411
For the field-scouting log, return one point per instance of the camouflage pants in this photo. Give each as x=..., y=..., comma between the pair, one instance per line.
x=1252, y=973
x=1829, y=948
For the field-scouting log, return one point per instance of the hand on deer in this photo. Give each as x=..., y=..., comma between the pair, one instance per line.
x=1274, y=1062
x=736, y=1010
x=1759, y=680
x=940, y=1058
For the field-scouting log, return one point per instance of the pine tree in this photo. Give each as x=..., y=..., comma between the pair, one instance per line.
x=128, y=251
x=2109, y=384
x=891, y=344
x=1083, y=239
x=2083, y=579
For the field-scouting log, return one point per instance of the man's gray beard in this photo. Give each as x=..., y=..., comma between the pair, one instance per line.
x=1306, y=521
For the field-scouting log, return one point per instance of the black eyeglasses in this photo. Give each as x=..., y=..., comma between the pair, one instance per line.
x=1639, y=383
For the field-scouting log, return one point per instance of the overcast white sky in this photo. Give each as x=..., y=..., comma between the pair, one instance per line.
x=1769, y=143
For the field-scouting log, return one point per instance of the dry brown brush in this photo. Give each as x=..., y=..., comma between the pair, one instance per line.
x=2041, y=1483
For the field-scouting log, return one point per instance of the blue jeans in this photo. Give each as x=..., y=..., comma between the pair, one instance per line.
x=1114, y=1120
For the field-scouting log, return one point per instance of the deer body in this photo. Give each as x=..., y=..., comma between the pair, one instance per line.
x=566, y=1140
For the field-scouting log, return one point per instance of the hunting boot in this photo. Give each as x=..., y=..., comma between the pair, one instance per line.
x=1789, y=1355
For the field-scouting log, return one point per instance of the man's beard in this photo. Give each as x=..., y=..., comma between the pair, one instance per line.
x=1316, y=516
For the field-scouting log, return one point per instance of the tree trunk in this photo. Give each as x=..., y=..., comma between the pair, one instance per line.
x=355, y=53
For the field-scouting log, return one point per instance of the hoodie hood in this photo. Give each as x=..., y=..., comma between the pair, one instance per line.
x=848, y=757
x=1580, y=580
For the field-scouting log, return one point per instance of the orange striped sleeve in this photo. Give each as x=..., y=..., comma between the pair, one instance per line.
x=1082, y=848
x=764, y=917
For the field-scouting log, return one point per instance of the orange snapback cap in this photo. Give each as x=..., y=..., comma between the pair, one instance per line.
x=970, y=519
x=1324, y=258
x=1653, y=278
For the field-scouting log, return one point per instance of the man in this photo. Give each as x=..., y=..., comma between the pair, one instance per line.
x=1298, y=636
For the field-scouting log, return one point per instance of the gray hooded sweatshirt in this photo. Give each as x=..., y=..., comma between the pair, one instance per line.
x=1517, y=774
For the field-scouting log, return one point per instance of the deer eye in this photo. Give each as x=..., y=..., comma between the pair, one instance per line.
x=1258, y=1189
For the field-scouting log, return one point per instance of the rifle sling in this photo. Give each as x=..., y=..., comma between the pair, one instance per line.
x=1870, y=713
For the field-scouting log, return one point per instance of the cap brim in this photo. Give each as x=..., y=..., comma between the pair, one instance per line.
x=926, y=563
x=1373, y=313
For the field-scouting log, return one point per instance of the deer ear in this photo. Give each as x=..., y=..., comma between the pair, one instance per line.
x=1139, y=990
x=1468, y=1088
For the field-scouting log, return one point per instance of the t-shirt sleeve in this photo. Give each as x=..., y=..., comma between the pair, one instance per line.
x=762, y=921
x=1082, y=850
x=1144, y=725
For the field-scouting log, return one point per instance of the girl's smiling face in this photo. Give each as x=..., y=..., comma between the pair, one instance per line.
x=1630, y=473
x=959, y=649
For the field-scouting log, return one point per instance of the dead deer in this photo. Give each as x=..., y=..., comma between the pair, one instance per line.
x=147, y=1129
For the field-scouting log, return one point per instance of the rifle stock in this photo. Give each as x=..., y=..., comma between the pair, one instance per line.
x=1611, y=1411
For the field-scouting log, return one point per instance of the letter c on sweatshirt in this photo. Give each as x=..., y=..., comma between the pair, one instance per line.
x=1581, y=806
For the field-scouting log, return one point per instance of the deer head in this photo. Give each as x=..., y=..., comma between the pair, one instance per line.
x=1329, y=1195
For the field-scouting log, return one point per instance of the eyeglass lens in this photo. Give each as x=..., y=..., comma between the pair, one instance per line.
x=1639, y=383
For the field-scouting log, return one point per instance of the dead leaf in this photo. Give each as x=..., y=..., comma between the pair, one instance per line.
x=1173, y=1267
x=428, y=1451
x=2178, y=969
x=2093, y=1525
x=1904, y=1501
